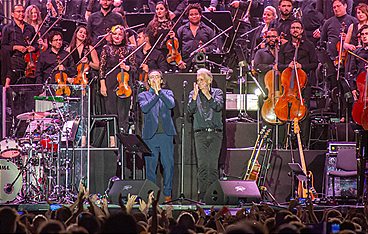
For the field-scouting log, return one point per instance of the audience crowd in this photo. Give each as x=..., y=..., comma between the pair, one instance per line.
x=152, y=218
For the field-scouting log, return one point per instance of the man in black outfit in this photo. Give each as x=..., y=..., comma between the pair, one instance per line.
x=282, y=23
x=205, y=105
x=100, y=22
x=306, y=60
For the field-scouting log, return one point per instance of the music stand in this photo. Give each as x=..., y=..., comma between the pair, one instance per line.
x=138, y=18
x=299, y=173
x=133, y=144
x=220, y=18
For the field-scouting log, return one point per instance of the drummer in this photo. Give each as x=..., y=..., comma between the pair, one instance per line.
x=48, y=64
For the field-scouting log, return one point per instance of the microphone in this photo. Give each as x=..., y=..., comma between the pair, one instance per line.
x=185, y=83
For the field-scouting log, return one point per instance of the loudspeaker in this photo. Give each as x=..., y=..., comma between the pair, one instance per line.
x=133, y=187
x=229, y=192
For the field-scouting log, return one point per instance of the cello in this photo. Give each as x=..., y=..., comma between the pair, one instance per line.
x=273, y=85
x=360, y=107
x=291, y=105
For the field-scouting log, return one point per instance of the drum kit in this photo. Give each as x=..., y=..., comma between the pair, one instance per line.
x=31, y=167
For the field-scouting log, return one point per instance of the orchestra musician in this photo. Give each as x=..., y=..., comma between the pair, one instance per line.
x=326, y=7
x=100, y=22
x=194, y=34
x=111, y=55
x=282, y=24
x=14, y=47
x=48, y=63
x=330, y=35
x=264, y=58
x=44, y=6
x=306, y=60
x=206, y=105
x=351, y=40
x=156, y=60
x=161, y=22
x=355, y=65
x=130, y=32
x=33, y=17
x=175, y=7
x=74, y=9
x=158, y=129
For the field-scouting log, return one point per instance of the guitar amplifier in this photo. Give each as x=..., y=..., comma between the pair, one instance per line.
x=346, y=187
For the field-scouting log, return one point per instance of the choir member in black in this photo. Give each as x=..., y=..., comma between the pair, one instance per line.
x=306, y=60
x=33, y=17
x=100, y=22
x=111, y=55
x=74, y=9
x=326, y=7
x=48, y=63
x=176, y=7
x=264, y=58
x=330, y=35
x=14, y=46
x=355, y=65
x=194, y=34
x=206, y=105
x=156, y=60
x=351, y=40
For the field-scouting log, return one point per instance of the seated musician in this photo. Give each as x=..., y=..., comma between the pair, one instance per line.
x=354, y=65
x=14, y=47
x=156, y=60
x=306, y=60
x=194, y=34
x=48, y=64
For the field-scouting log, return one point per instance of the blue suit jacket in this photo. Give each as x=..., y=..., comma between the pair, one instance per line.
x=151, y=104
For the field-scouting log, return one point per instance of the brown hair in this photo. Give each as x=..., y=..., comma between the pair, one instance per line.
x=27, y=16
x=363, y=8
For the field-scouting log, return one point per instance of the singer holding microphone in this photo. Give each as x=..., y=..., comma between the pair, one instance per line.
x=158, y=129
x=206, y=105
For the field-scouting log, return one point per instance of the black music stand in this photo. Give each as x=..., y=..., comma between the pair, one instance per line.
x=139, y=18
x=222, y=19
x=299, y=173
x=133, y=144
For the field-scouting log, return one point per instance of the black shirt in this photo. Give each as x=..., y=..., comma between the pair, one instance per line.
x=263, y=60
x=176, y=6
x=306, y=56
x=155, y=61
x=12, y=35
x=98, y=24
x=189, y=43
x=48, y=61
x=283, y=26
x=75, y=9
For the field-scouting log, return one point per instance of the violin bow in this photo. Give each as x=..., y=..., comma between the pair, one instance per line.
x=39, y=29
x=149, y=53
x=53, y=25
x=176, y=22
x=125, y=59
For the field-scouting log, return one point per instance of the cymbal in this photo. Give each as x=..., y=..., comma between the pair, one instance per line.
x=33, y=115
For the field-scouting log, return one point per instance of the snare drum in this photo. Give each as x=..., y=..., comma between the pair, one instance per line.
x=9, y=187
x=9, y=148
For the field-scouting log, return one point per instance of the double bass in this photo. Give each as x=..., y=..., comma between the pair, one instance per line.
x=273, y=85
x=291, y=105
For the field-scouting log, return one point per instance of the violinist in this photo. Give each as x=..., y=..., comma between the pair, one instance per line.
x=111, y=55
x=351, y=41
x=156, y=60
x=48, y=64
x=14, y=46
x=306, y=60
x=175, y=7
x=355, y=66
x=33, y=17
x=194, y=34
x=161, y=22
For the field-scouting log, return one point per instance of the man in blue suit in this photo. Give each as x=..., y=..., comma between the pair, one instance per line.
x=158, y=129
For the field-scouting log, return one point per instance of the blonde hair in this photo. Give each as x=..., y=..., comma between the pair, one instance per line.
x=27, y=15
x=272, y=9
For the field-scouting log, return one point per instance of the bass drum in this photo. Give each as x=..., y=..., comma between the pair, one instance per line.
x=9, y=187
x=9, y=148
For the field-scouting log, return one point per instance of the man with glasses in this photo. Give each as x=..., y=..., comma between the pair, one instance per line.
x=306, y=60
x=158, y=129
x=48, y=64
x=14, y=47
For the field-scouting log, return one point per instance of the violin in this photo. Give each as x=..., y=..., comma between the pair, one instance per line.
x=123, y=90
x=291, y=105
x=31, y=59
x=173, y=57
x=360, y=107
x=61, y=79
x=273, y=85
x=341, y=58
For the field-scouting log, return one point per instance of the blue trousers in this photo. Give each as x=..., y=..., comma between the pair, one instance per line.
x=161, y=145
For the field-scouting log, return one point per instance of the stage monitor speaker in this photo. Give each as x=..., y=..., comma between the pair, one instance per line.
x=133, y=187
x=231, y=192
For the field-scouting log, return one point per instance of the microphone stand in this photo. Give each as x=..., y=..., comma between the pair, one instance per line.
x=183, y=115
